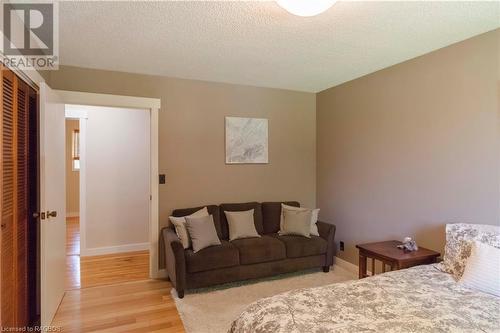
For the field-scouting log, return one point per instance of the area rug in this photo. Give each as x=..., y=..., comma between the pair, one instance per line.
x=213, y=309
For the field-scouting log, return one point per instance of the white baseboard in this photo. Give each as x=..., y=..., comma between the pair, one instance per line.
x=97, y=251
x=347, y=266
x=73, y=214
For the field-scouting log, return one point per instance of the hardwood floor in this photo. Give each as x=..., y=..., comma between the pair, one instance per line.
x=112, y=293
x=84, y=272
x=72, y=236
x=114, y=268
x=144, y=306
x=73, y=272
x=72, y=253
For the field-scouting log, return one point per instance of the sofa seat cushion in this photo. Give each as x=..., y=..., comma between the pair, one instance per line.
x=261, y=249
x=299, y=246
x=212, y=257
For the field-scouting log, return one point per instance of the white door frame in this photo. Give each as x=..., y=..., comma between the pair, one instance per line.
x=131, y=102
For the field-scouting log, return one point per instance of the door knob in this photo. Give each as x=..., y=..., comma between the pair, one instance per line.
x=39, y=215
x=51, y=214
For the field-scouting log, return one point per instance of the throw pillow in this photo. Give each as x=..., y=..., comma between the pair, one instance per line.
x=180, y=226
x=296, y=222
x=241, y=224
x=202, y=232
x=459, y=238
x=314, y=217
x=482, y=270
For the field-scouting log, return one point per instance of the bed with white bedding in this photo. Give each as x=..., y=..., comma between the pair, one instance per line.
x=420, y=299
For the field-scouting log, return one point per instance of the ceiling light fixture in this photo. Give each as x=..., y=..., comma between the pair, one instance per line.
x=306, y=7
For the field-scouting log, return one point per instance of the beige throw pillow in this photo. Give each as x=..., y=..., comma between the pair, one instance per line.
x=202, y=232
x=241, y=224
x=180, y=226
x=314, y=217
x=296, y=222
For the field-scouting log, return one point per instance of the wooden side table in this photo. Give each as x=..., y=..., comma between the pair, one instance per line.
x=391, y=256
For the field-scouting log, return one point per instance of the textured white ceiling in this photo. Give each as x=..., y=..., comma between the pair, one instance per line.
x=259, y=43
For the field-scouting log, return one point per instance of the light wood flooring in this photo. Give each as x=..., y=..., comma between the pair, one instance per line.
x=112, y=293
x=84, y=272
x=144, y=306
x=114, y=268
x=72, y=253
x=72, y=236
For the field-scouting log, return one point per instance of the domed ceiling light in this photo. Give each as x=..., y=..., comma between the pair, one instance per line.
x=306, y=7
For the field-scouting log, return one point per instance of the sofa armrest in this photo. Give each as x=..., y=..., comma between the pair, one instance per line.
x=174, y=260
x=327, y=232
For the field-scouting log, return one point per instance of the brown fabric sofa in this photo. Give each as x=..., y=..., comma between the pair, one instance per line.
x=247, y=258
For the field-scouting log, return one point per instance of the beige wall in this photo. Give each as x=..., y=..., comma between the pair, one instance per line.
x=72, y=177
x=404, y=150
x=399, y=152
x=191, y=137
x=115, y=173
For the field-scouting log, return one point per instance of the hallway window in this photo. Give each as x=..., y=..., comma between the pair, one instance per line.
x=75, y=151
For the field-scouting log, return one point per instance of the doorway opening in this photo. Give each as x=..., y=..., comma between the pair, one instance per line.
x=108, y=195
x=72, y=203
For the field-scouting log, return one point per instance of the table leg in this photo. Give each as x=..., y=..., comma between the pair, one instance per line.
x=383, y=267
x=362, y=266
x=373, y=266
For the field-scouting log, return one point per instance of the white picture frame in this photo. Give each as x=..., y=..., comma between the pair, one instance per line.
x=247, y=140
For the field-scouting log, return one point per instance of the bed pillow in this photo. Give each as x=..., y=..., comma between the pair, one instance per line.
x=482, y=270
x=314, y=217
x=241, y=224
x=296, y=222
x=202, y=232
x=180, y=226
x=459, y=239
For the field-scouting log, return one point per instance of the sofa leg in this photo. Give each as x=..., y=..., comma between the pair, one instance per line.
x=180, y=293
x=326, y=269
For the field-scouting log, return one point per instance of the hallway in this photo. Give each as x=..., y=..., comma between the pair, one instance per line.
x=84, y=272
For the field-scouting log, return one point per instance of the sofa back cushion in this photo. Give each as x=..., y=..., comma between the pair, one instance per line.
x=238, y=207
x=271, y=212
x=212, y=210
x=202, y=232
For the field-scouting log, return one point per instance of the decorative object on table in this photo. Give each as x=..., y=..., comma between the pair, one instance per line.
x=409, y=245
x=246, y=140
x=389, y=254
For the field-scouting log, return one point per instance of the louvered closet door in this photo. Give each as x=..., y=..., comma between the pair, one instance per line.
x=33, y=204
x=7, y=180
x=21, y=218
x=14, y=201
